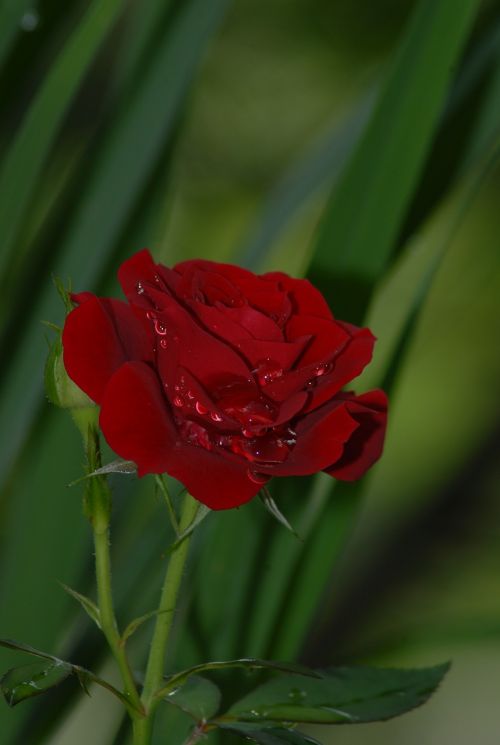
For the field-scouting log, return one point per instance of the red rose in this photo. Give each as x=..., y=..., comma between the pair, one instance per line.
x=223, y=378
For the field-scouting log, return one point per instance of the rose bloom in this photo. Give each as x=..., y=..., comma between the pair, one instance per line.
x=223, y=378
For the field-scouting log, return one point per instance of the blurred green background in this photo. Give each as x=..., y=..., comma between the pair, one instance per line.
x=351, y=141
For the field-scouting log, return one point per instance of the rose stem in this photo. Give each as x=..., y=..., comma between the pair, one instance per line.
x=107, y=616
x=97, y=506
x=168, y=600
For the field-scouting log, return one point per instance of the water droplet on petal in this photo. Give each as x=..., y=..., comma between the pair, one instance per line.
x=268, y=371
x=160, y=328
x=257, y=478
x=178, y=400
x=139, y=288
x=195, y=434
x=247, y=433
x=215, y=417
x=200, y=408
x=150, y=315
x=163, y=343
x=322, y=369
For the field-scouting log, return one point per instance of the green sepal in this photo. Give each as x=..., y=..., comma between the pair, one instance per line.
x=64, y=293
x=87, y=604
x=274, y=510
x=59, y=388
x=116, y=466
x=137, y=622
x=201, y=514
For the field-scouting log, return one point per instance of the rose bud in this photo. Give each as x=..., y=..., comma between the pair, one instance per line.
x=223, y=378
x=59, y=388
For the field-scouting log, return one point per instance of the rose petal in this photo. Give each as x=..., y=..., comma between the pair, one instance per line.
x=208, y=287
x=233, y=273
x=190, y=399
x=136, y=270
x=305, y=297
x=365, y=446
x=99, y=336
x=283, y=354
x=328, y=337
x=291, y=408
x=320, y=437
x=268, y=298
x=136, y=420
x=350, y=363
x=218, y=482
x=256, y=323
x=188, y=344
x=219, y=323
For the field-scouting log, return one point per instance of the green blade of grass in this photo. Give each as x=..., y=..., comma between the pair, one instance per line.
x=488, y=123
x=361, y=223
x=367, y=208
x=11, y=14
x=121, y=172
x=25, y=158
x=321, y=164
x=407, y=293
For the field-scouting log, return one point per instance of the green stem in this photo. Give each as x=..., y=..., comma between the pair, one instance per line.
x=143, y=729
x=168, y=601
x=108, y=619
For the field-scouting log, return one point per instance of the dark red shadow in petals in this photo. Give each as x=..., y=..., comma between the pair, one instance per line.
x=268, y=298
x=320, y=441
x=219, y=323
x=306, y=299
x=283, y=354
x=259, y=325
x=365, y=446
x=98, y=337
x=290, y=408
x=136, y=420
x=216, y=481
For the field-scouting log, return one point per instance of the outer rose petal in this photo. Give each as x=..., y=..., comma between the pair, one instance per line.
x=328, y=337
x=350, y=363
x=98, y=337
x=321, y=436
x=218, y=482
x=306, y=298
x=366, y=444
x=139, y=268
x=135, y=418
x=232, y=272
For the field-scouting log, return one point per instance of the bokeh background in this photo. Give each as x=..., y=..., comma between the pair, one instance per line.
x=351, y=141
